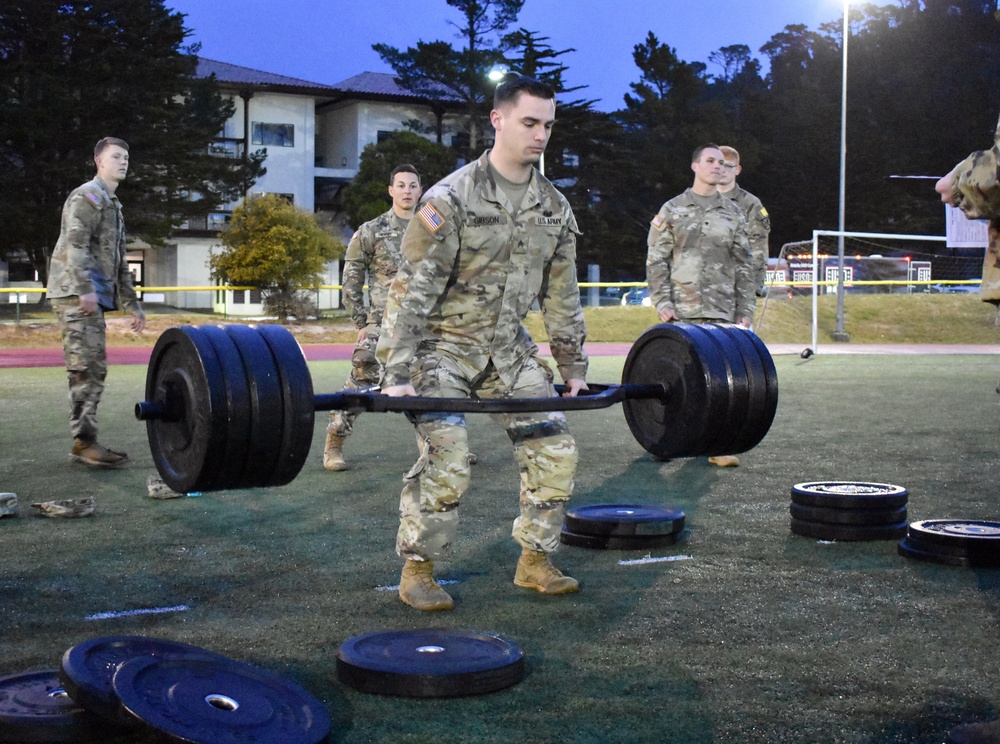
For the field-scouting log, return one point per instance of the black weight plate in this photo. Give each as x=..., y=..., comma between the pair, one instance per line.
x=943, y=554
x=738, y=417
x=616, y=542
x=429, y=663
x=624, y=520
x=973, y=535
x=297, y=394
x=848, y=533
x=871, y=517
x=677, y=425
x=205, y=701
x=34, y=707
x=184, y=367
x=88, y=669
x=761, y=388
x=849, y=495
x=238, y=425
x=267, y=410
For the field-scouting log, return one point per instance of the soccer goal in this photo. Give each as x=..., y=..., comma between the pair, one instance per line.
x=819, y=275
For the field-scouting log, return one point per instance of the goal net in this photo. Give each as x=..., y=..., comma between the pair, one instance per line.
x=827, y=283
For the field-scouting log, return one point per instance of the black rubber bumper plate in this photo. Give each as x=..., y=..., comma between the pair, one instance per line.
x=211, y=701
x=88, y=669
x=849, y=495
x=847, y=532
x=616, y=542
x=871, y=517
x=430, y=663
x=953, y=542
x=624, y=520
x=34, y=707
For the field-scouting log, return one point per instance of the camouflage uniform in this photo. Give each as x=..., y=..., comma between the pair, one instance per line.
x=472, y=268
x=976, y=191
x=374, y=249
x=699, y=261
x=89, y=258
x=758, y=231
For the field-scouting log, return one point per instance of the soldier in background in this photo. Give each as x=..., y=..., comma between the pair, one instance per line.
x=490, y=239
x=758, y=220
x=88, y=274
x=374, y=249
x=698, y=264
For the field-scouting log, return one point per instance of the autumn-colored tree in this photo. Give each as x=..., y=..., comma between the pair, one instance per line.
x=280, y=249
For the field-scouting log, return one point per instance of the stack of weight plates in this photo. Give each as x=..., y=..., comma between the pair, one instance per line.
x=128, y=686
x=848, y=510
x=622, y=526
x=953, y=542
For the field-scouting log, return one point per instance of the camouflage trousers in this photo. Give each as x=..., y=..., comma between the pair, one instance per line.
x=544, y=450
x=365, y=372
x=84, y=349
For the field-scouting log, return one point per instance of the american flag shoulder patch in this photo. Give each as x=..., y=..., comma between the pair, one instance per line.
x=430, y=217
x=94, y=198
x=658, y=223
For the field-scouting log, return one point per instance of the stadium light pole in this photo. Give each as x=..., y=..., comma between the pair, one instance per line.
x=839, y=333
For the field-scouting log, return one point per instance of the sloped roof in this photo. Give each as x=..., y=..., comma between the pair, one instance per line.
x=235, y=74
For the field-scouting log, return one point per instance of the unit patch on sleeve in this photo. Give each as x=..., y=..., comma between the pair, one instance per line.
x=658, y=223
x=430, y=217
x=94, y=198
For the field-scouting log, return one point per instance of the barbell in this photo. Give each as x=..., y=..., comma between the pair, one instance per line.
x=234, y=407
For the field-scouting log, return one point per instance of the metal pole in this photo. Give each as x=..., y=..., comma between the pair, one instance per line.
x=840, y=334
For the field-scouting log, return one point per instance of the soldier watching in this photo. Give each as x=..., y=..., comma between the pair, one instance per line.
x=88, y=274
x=698, y=264
x=490, y=239
x=758, y=220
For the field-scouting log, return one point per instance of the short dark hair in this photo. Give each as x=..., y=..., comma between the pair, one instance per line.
x=514, y=85
x=696, y=155
x=106, y=142
x=403, y=168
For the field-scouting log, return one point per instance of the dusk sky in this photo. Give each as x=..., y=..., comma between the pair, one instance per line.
x=326, y=41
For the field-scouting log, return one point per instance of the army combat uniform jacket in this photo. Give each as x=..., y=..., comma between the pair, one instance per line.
x=471, y=271
x=758, y=231
x=374, y=248
x=976, y=191
x=698, y=261
x=89, y=256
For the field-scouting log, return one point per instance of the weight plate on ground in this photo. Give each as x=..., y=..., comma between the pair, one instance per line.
x=847, y=533
x=848, y=516
x=849, y=495
x=762, y=387
x=34, y=707
x=738, y=414
x=297, y=394
x=185, y=377
x=947, y=555
x=678, y=424
x=88, y=669
x=624, y=520
x=968, y=534
x=616, y=542
x=196, y=699
x=238, y=428
x=267, y=411
x=429, y=663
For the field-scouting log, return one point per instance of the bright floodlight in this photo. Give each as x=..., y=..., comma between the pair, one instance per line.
x=497, y=72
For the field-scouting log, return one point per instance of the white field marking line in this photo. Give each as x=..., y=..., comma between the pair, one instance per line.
x=649, y=559
x=133, y=613
x=396, y=587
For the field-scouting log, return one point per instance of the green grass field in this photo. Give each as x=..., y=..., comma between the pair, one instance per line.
x=761, y=636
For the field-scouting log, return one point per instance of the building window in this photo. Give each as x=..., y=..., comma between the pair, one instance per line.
x=218, y=220
x=382, y=135
x=279, y=135
x=226, y=148
x=239, y=296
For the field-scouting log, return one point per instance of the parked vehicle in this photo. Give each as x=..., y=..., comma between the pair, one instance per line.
x=637, y=296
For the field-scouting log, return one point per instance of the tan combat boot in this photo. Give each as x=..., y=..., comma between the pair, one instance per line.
x=96, y=455
x=725, y=461
x=418, y=589
x=535, y=571
x=333, y=455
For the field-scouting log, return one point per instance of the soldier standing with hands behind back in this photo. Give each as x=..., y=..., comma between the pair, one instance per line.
x=88, y=274
x=698, y=264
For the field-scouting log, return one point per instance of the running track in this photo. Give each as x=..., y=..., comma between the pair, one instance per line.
x=52, y=357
